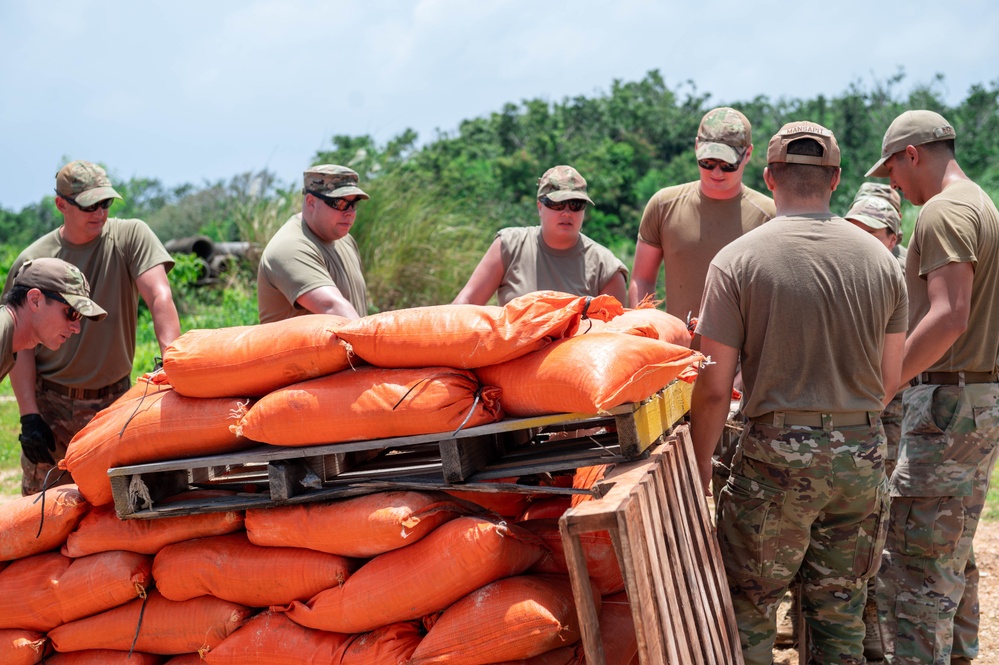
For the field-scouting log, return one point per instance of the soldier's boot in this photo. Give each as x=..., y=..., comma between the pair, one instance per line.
x=873, y=647
x=787, y=622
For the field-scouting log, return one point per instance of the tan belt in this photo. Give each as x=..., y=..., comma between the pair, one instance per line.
x=814, y=419
x=86, y=393
x=955, y=378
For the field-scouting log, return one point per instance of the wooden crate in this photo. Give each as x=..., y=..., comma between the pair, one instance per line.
x=514, y=447
x=658, y=520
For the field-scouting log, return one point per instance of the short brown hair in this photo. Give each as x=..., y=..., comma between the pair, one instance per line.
x=802, y=179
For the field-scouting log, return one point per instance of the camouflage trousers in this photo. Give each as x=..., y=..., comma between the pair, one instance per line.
x=809, y=502
x=66, y=417
x=927, y=585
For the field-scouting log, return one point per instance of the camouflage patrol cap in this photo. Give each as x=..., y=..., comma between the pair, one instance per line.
x=881, y=190
x=875, y=212
x=332, y=180
x=724, y=134
x=911, y=128
x=795, y=131
x=56, y=275
x=84, y=182
x=563, y=183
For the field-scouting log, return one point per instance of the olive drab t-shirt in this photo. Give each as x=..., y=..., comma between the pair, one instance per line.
x=297, y=261
x=103, y=351
x=6, y=342
x=959, y=225
x=808, y=300
x=690, y=228
x=531, y=265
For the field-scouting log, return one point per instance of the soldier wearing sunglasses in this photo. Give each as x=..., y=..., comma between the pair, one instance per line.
x=312, y=265
x=551, y=256
x=685, y=225
x=59, y=390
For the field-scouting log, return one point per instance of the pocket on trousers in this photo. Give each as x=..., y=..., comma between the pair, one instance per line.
x=926, y=527
x=749, y=523
x=917, y=622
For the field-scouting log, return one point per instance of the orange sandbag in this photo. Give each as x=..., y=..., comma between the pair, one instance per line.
x=389, y=645
x=587, y=374
x=167, y=627
x=371, y=403
x=251, y=361
x=617, y=630
x=585, y=478
x=598, y=551
x=232, y=568
x=21, y=647
x=504, y=504
x=560, y=656
x=362, y=526
x=158, y=426
x=469, y=336
x=101, y=531
x=271, y=638
x=552, y=507
x=649, y=322
x=52, y=589
x=104, y=657
x=516, y=617
x=186, y=659
x=57, y=514
x=457, y=558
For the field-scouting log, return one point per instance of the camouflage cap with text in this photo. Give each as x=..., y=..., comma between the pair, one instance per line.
x=875, y=212
x=332, y=180
x=724, y=134
x=881, y=190
x=802, y=129
x=84, y=182
x=65, y=279
x=563, y=183
x=911, y=128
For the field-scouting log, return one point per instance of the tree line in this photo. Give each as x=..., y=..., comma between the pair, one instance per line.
x=436, y=205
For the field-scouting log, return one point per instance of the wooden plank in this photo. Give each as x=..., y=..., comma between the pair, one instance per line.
x=581, y=591
x=460, y=458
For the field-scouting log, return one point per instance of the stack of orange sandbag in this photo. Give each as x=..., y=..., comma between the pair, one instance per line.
x=387, y=578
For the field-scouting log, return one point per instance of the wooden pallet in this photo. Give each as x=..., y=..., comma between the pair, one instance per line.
x=658, y=520
x=277, y=475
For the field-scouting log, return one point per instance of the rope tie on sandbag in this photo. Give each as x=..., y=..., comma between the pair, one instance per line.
x=415, y=385
x=41, y=495
x=138, y=626
x=145, y=392
x=586, y=307
x=475, y=402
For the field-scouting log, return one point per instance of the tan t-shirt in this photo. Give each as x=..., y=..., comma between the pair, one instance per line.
x=808, y=301
x=103, y=351
x=531, y=265
x=960, y=225
x=6, y=342
x=690, y=228
x=296, y=261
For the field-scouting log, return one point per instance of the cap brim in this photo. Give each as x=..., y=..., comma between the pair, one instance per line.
x=85, y=306
x=725, y=153
x=568, y=195
x=96, y=195
x=340, y=192
x=879, y=170
x=868, y=221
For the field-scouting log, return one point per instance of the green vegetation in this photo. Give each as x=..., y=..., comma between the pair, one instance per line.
x=435, y=205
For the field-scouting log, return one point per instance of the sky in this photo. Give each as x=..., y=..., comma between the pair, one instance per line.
x=192, y=92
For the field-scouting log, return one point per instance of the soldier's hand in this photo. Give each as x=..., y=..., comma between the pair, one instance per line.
x=36, y=439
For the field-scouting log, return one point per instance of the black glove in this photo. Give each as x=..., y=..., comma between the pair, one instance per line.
x=36, y=439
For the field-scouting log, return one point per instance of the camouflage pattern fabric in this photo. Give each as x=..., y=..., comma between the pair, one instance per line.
x=945, y=459
x=66, y=417
x=804, y=501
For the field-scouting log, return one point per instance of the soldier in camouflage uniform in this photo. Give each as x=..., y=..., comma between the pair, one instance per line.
x=807, y=493
x=876, y=209
x=927, y=585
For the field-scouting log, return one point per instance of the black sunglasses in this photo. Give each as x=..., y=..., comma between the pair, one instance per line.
x=343, y=205
x=575, y=205
x=710, y=164
x=70, y=313
x=105, y=204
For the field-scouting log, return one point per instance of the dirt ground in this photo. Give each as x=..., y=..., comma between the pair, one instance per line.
x=987, y=555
